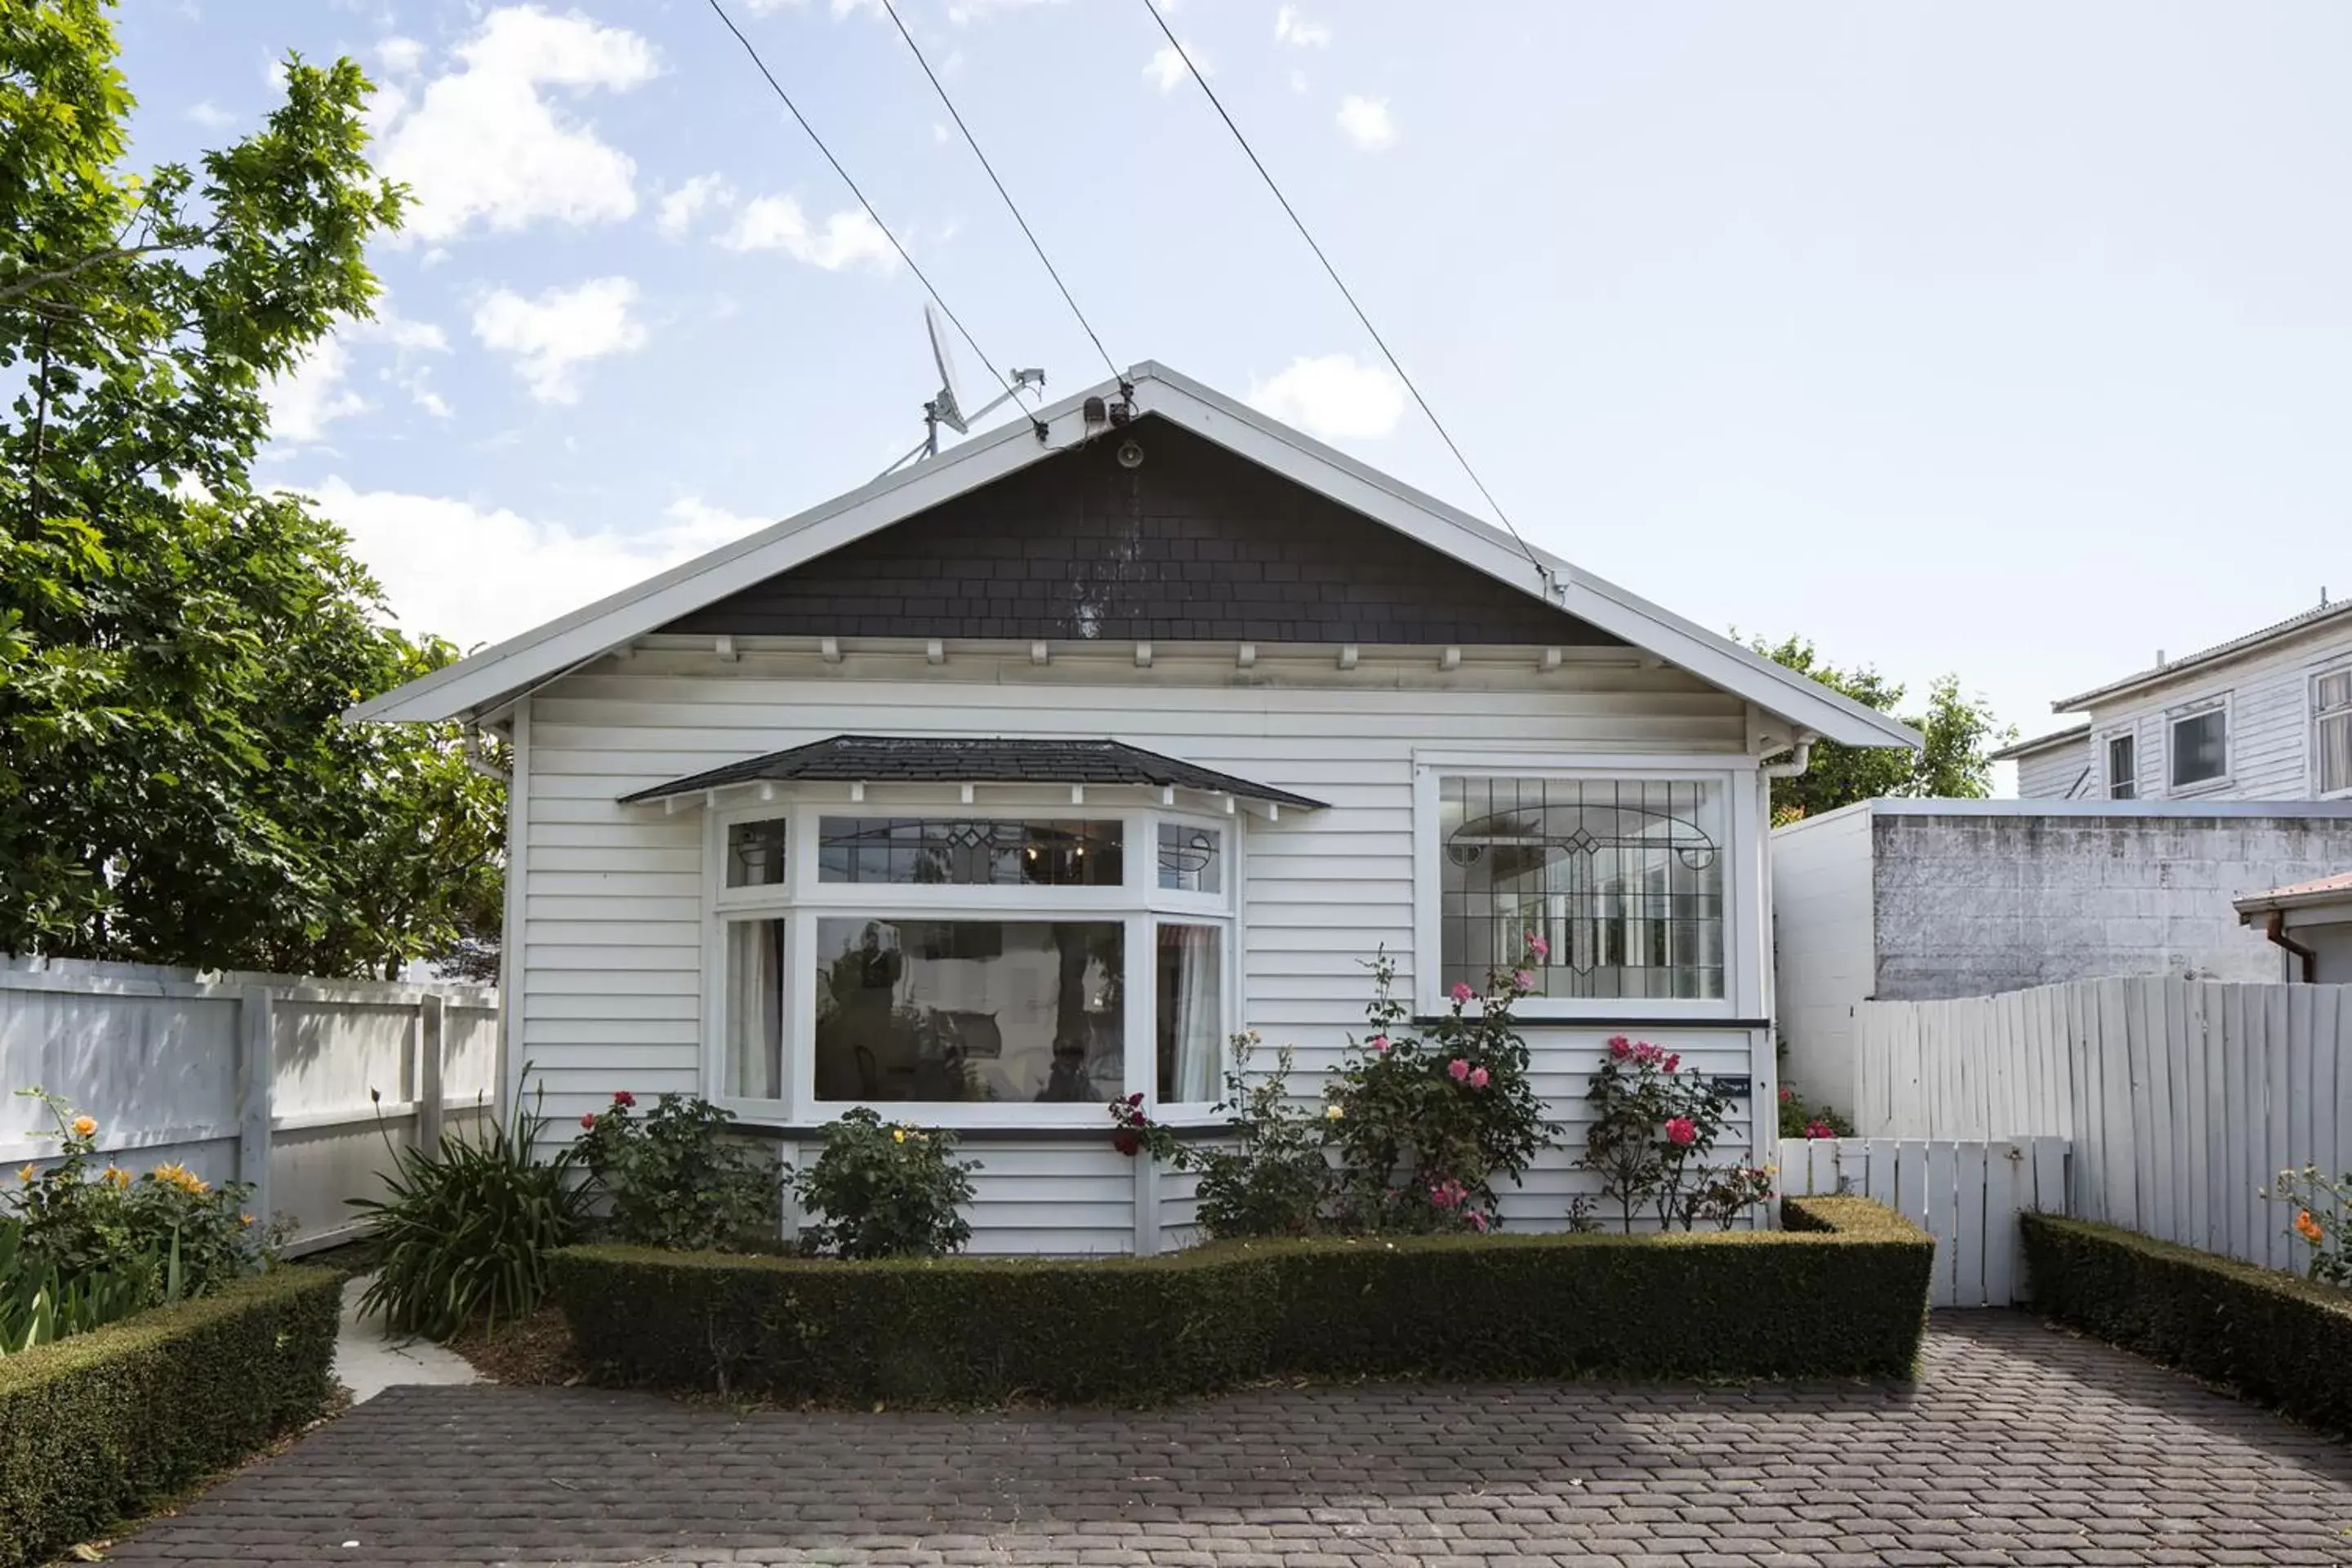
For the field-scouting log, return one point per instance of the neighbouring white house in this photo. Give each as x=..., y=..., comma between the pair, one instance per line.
x=2267, y=716
x=1026, y=776
x=2311, y=923
x=1915, y=900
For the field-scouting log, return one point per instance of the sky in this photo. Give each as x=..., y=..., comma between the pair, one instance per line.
x=2008, y=340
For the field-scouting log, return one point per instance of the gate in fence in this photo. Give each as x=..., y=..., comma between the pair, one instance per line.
x=1967, y=1194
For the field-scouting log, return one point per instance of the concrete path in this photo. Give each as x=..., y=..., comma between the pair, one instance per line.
x=368, y=1362
x=2018, y=1446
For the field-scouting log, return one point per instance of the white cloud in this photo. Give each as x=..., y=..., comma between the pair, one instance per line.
x=1291, y=29
x=1167, y=67
x=681, y=207
x=553, y=336
x=401, y=56
x=211, y=115
x=1333, y=396
x=304, y=403
x=478, y=573
x=776, y=222
x=1298, y=80
x=485, y=144
x=1366, y=123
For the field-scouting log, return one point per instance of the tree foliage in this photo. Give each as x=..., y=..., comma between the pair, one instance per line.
x=1958, y=732
x=175, y=644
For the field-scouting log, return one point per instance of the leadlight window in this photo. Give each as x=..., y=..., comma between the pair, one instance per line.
x=2332, y=722
x=1620, y=878
x=969, y=852
x=755, y=853
x=1192, y=858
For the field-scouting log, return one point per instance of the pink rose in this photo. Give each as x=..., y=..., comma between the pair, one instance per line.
x=1620, y=1046
x=1457, y=1070
x=1523, y=980
x=1681, y=1131
x=1478, y=1078
x=1673, y=1063
x=1380, y=1043
x=625, y=1100
x=1478, y=1220
x=589, y=1121
x=1817, y=1128
x=1538, y=946
x=1787, y=1095
x=1461, y=994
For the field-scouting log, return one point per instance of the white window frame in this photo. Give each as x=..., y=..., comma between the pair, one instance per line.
x=2176, y=716
x=2106, y=762
x=802, y=899
x=1743, y=882
x=2342, y=666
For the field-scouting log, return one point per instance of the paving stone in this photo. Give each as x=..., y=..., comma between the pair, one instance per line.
x=2018, y=1446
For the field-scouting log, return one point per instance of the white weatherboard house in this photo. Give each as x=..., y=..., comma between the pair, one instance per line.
x=1025, y=777
x=2267, y=716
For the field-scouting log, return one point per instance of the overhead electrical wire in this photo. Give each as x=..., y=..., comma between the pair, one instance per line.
x=1345, y=293
x=928, y=287
x=1011, y=205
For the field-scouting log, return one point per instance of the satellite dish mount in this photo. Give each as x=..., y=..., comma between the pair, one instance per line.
x=947, y=409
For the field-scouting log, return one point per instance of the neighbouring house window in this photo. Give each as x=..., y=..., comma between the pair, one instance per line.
x=2122, y=768
x=969, y=852
x=2200, y=748
x=961, y=959
x=2332, y=736
x=1192, y=858
x=753, y=1064
x=1189, y=1011
x=1004, y=1011
x=1622, y=879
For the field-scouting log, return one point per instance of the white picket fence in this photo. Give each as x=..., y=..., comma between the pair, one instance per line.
x=253, y=1078
x=1967, y=1194
x=2181, y=1100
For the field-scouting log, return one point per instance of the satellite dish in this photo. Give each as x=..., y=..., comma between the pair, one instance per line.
x=947, y=408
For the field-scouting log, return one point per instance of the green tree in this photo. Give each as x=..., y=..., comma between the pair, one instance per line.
x=176, y=645
x=1958, y=730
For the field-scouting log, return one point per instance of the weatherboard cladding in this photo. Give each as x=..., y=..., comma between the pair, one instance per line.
x=902, y=758
x=1195, y=544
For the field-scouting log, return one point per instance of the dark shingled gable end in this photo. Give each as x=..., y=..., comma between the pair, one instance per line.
x=1196, y=544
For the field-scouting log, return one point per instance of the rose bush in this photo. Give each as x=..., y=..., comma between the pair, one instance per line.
x=885, y=1190
x=1654, y=1129
x=679, y=1177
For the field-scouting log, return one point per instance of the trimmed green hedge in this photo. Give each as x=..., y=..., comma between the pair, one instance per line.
x=96, y=1428
x=1843, y=1291
x=2275, y=1337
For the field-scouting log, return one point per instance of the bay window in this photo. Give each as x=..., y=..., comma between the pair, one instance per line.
x=1621, y=880
x=997, y=967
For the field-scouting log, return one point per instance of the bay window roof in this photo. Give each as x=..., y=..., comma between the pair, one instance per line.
x=910, y=759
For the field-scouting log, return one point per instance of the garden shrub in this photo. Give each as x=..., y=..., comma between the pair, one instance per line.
x=1653, y=1129
x=1138, y=1331
x=134, y=1241
x=885, y=1190
x=1274, y=1182
x=467, y=1227
x=2279, y=1339
x=99, y=1426
x=680, y=1178
x=1801, y=1118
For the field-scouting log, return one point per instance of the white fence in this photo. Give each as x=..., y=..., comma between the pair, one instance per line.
x=260, y=1079
x=1967, y=1194
x=2182, y=1098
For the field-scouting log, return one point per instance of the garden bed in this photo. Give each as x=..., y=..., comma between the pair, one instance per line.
x=1843, y=1290
x=101, y=1424
x=2274, y=1337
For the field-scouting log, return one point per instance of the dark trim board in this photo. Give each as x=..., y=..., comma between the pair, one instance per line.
x=1531, y=1024
x=801, y=1131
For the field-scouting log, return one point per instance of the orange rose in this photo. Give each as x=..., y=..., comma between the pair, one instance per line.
x=84, y=1126
x=2309, y=1229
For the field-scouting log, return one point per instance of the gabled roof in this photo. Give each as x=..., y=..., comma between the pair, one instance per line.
x=903, y=759
x=2072, y=735
x=2293, y=626
x=488, y=679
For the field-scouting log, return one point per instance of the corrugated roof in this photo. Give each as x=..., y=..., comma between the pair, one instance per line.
x=2067, y=736
x=906, y=759
x=2291, y=627
x=2318, y=890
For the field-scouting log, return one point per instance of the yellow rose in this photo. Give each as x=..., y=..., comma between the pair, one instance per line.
x=1333, y=1113
x=84, y=1126
x=898, y=1135
x=25, y=1174
x=245, y=1219
x=116, y=1176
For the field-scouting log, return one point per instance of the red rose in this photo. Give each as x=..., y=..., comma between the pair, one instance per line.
x=625, y=1098
x=589, y=1121
x=1127, y=1144
x=1136, y=1098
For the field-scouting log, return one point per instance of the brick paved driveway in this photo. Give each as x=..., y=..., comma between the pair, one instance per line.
x=2019, y=1445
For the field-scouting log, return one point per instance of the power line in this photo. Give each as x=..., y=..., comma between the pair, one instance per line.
x=720, y=12
x=1300, y=224
x=938, y=87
